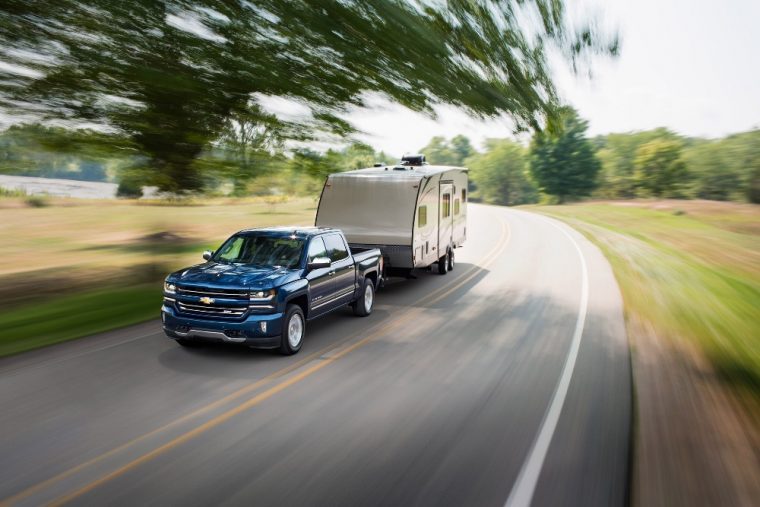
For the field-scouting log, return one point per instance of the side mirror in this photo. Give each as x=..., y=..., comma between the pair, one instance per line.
x=319, y=263
x=207, y=255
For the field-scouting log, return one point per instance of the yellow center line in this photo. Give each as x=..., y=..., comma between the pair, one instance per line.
x=488, y=259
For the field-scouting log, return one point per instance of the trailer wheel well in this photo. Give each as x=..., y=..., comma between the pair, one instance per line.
x=303, y=302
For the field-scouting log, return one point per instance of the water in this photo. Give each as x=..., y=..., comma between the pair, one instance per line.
x=63, y=188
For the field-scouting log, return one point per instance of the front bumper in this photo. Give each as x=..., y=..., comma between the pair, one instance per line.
x=260, y=331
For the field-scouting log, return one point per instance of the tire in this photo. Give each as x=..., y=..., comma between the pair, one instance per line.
x=443, y=264
x=293, y=330
x=451, y=260
x=363, y=306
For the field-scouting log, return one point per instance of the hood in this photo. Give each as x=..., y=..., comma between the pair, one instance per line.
x=213, y=274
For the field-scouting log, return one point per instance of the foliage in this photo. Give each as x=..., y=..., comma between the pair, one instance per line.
x=562, y=161
x=753, y=189
x=130, y=185
x=439, y=151
x=501, y=174
x=659, y=169
x=170, y=74
x=617, y=153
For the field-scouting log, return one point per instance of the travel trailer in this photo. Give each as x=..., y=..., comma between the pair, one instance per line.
x=415, y=213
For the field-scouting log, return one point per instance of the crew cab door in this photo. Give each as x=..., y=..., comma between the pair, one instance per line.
x=320, y=280
x=344, y=271
x=445, y=217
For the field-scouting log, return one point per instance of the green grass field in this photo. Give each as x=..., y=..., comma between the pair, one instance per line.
x=75, y=267
x=691, y=269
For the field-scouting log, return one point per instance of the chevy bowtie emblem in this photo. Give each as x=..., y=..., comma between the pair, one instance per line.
x=207, y=300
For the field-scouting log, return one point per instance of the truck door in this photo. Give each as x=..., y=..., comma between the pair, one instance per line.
x=343, y=270
x=320, y=280
x=445, y=217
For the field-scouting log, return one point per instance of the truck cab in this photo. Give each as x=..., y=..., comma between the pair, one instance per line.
x=262, y=286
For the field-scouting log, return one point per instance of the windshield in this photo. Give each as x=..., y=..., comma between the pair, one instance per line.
x=260, y=250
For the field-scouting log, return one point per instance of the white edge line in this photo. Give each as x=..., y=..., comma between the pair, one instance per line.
x=523, y=489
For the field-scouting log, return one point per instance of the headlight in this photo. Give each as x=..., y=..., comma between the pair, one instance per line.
x=170, y=288
x=262, y=295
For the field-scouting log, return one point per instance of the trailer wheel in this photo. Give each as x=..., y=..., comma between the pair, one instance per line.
x=451, y=260
x=443, y=264
x=363, y=306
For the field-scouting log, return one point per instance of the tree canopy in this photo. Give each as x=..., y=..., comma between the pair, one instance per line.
x=563, y=162
x=169, y=74
x=500, y=174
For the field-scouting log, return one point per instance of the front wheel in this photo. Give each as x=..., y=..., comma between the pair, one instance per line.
x=363, y=305
x=443, y=264
x=293, y=330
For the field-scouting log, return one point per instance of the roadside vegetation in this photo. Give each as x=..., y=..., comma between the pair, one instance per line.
x=79, y=267
x=689, y=269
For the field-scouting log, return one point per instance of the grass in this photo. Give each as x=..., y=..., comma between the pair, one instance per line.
x=691, y=269
x=78, y=267
x=59, y=319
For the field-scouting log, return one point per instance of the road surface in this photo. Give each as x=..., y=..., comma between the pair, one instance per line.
x=505, y=382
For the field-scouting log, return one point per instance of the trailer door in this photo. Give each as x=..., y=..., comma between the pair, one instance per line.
x=445, y=217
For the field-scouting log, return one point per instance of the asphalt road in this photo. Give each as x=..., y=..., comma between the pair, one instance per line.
x=506, y=381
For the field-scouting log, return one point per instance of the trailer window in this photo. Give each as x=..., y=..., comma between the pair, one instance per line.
x=446, y=206
x=422, y=216
x=456, y=206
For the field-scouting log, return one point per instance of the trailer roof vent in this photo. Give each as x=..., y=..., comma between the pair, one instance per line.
x=414, y=160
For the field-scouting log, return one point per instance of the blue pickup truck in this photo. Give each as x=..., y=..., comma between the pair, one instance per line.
x=262, y=286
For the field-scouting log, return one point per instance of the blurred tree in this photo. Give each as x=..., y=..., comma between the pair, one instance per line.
x=617, y=153
x=753, y=187
x=500, y=174
x=249, y=137
x=168, y=74
x=438, y=151
x=660, y=171
x=462, y=148
x=562, y=160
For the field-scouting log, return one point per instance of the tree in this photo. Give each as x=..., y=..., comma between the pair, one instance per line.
x=617, y=153
x=500, y=174
x=168, y=74
x=249, y=138
x=462, y=148
x=753, y=187
x=660, y=171
x=562, y=161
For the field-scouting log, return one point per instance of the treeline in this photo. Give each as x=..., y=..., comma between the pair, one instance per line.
x=560, y=163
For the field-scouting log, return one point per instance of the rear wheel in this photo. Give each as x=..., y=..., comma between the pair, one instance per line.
x=451, y=260
x=293, y=330
x=443, y=264
x=363, y=305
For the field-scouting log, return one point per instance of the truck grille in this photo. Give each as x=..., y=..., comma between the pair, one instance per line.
x=211, y=310
x=238, y=294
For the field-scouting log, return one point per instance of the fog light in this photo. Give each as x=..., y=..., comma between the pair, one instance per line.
x=263, y=327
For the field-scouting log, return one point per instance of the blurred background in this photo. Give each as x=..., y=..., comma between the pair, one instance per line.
x=135, y=135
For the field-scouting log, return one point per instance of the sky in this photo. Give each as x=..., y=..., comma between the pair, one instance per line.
x=690, y=65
